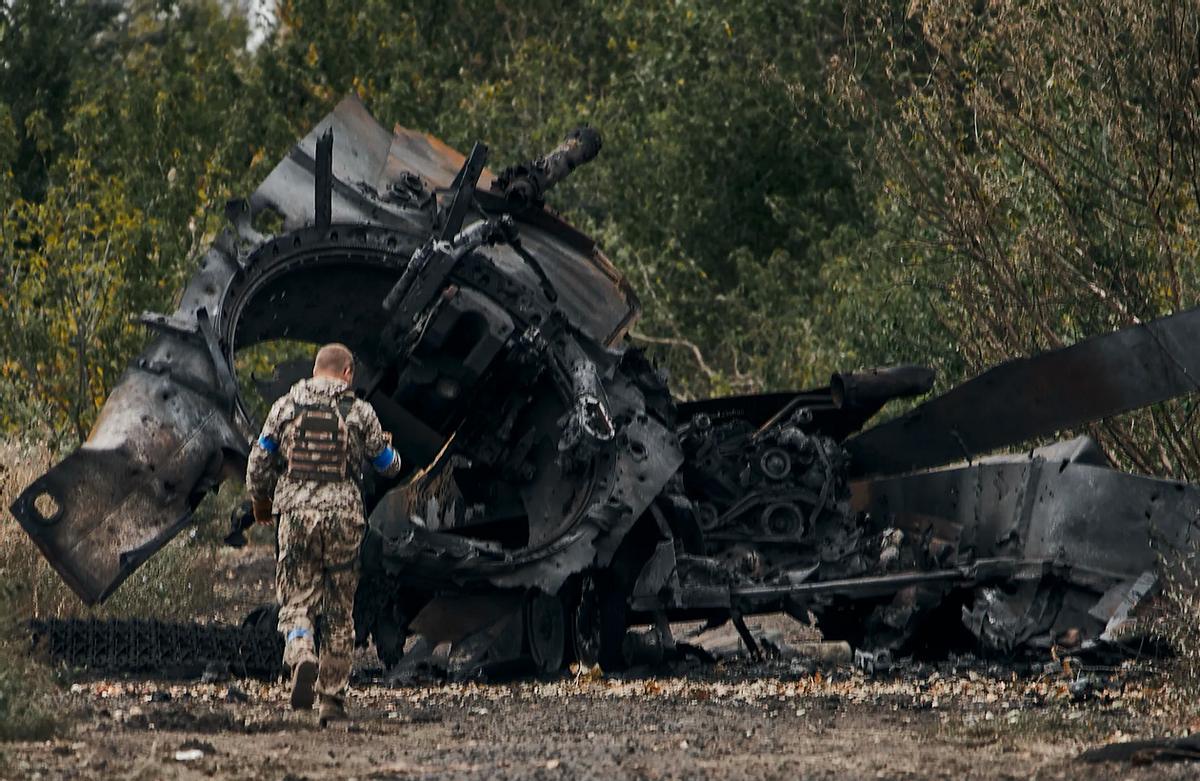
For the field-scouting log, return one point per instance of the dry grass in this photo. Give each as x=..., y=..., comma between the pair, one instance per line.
x=1177, y=621
x=26, y=698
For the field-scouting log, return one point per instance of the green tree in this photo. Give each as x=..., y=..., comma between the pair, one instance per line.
x=46, y=49
x=65, y=303
x=1037, y=163
x=727, y=189
x=135, y=161
x=723, y=185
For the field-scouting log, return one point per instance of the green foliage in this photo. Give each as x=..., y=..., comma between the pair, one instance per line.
x=721, y=189
x=47, y=51
x=144, y=127
x=257, y=364
x=1037, y=163
x=791, y=189
x=722, y=179
x=70, y=259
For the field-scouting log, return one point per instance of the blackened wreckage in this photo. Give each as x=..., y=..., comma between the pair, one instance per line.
x=557, y=494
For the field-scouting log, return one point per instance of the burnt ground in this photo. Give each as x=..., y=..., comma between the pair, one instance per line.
x=729, y=721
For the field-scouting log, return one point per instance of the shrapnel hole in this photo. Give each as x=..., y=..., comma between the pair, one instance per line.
x=47, y=506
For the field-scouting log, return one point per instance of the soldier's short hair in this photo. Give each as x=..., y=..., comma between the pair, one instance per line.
x=333, y=359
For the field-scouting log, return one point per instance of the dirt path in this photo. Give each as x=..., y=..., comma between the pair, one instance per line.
x=713, y=723
x=843, y=727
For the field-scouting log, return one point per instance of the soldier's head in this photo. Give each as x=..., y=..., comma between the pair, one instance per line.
x=336, y=362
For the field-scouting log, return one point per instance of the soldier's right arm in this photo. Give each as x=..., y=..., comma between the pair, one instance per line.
x=266, y=461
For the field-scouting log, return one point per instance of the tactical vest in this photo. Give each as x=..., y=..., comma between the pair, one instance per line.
x=318, y=442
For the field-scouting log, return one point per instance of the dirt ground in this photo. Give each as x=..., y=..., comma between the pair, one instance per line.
x=725, y=722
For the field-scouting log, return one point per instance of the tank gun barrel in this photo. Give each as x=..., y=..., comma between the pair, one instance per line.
x=525, y=185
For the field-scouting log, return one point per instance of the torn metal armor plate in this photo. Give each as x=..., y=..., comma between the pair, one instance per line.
x=555, y=492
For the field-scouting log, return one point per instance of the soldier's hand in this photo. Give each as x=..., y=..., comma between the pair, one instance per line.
x=262, y=511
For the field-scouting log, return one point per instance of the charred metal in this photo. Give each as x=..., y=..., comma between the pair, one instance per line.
x=558, y=495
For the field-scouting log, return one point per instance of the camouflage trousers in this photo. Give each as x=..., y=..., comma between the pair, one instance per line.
x=316, y=575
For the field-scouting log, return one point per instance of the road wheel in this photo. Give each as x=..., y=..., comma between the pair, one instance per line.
x=598, y=624
x=389, y=631
x=545, y=631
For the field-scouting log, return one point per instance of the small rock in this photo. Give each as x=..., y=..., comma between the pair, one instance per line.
x=203, y=746
x=1082, y=688
x=215, y=672
x=191, y=755
x=552, y=764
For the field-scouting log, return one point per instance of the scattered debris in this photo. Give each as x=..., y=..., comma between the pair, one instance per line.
x=872, y=662
x=1083, y=687
x=1145, y=752
x=235, y=694
x=198, y=745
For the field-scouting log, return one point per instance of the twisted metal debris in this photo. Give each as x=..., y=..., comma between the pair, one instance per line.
x=558, y=494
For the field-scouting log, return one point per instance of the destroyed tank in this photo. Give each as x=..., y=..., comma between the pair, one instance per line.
x=556, y=494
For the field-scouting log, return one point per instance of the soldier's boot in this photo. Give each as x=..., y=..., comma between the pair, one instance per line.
x=304, y=679
x=332, y=709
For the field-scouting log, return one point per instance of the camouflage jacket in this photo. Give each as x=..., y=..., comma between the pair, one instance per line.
x=265, y=473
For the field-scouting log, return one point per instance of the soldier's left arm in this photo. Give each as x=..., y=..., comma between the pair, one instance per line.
x=376, y=443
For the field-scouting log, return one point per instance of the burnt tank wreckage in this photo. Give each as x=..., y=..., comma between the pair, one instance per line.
x=556, y=494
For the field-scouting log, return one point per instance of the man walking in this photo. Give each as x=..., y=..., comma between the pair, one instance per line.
x=305, y=469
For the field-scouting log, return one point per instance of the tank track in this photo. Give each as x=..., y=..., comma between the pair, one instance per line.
x=160, y=649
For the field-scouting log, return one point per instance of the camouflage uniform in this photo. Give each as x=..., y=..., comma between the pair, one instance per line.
x=321, y=525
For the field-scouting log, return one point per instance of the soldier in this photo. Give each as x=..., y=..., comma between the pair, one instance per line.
x=305, y=469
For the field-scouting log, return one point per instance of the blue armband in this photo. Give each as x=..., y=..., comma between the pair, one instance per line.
x=384, y=460
x=268, y=444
